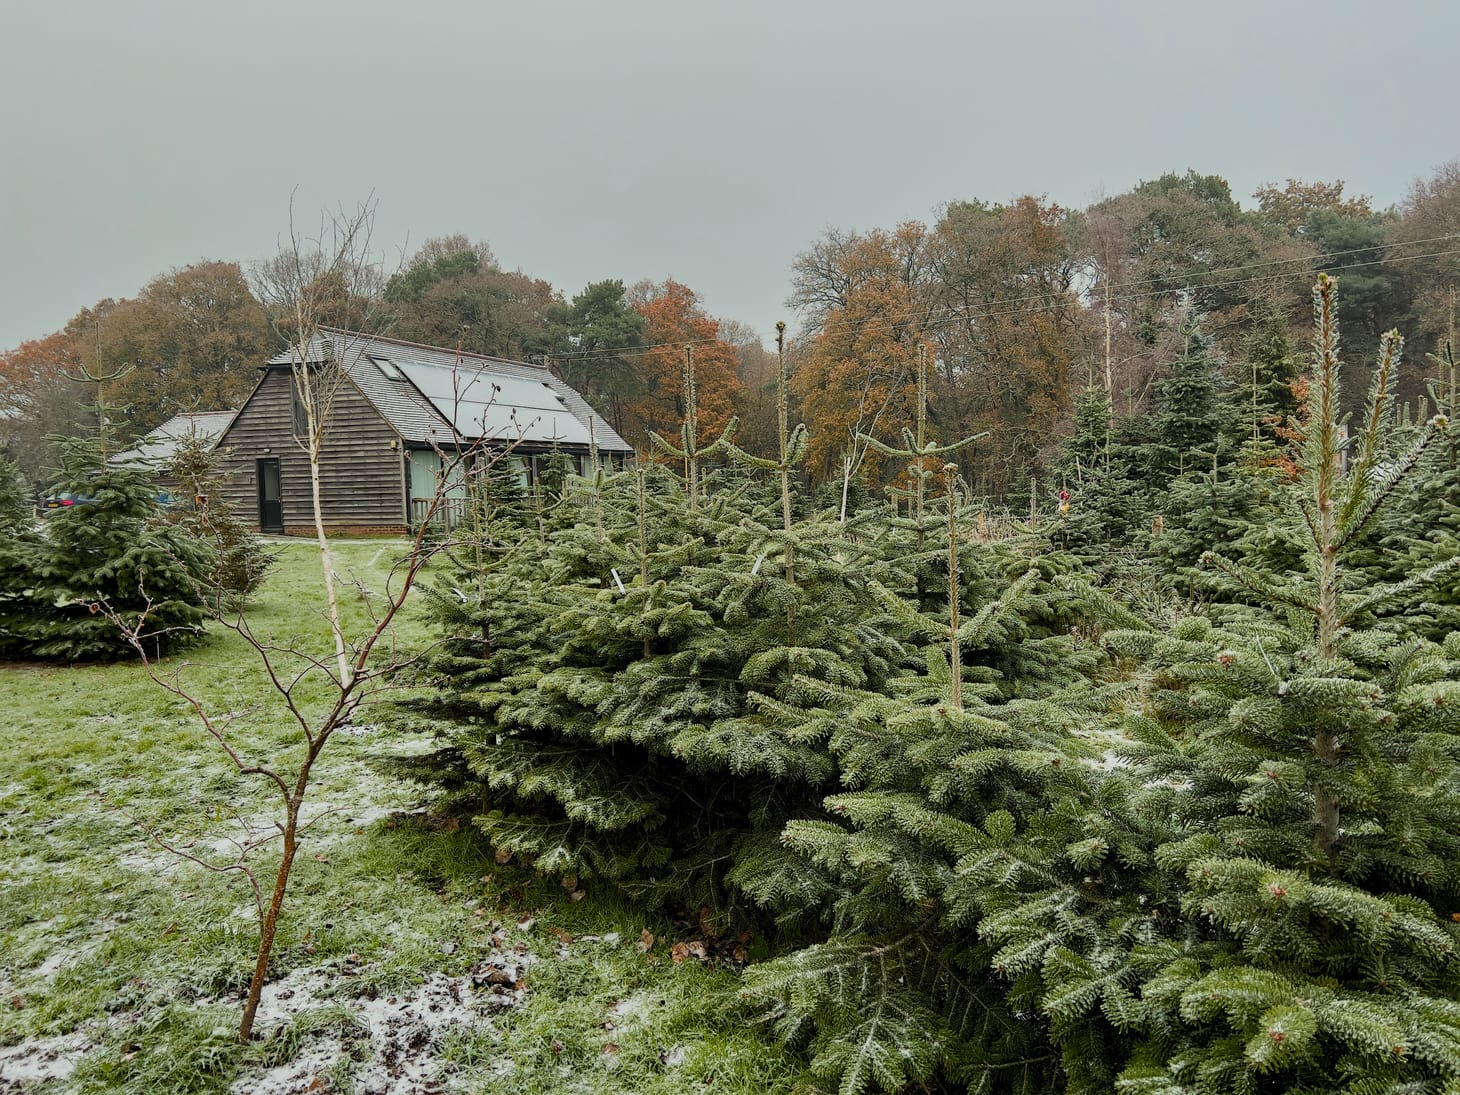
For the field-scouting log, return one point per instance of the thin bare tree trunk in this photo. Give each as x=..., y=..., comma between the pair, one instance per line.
x=327, y=565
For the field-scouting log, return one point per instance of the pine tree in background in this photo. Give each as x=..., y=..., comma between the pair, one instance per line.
x=1193, y=422
x=17, y=504
x=1101, y=466
x=1212, y=509
x=1273, y=365
x=240, y=560
x=1420, y=528
x=19, y=555
x=108, y=565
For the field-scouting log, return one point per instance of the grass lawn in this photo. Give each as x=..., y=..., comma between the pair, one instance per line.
x=407, y=960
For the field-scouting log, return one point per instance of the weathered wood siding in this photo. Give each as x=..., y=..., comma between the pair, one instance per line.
x=361, y=474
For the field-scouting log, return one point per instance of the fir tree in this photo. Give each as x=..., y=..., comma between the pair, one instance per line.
x=1101, y=467
x=1272, y=367
x=20, y=548
x=109, y=570
x=17, y=503
x=1290, y=816
x=1191, y=424
x=983, y=734
x=240, y=560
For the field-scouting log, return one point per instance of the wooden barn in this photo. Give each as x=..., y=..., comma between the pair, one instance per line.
x=398, y=408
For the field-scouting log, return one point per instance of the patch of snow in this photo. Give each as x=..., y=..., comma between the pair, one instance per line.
x=300, y=1074
x=153, y=861
x=371, y=814
x=398, y=1050
x=41, y=1059
x=631, y=1009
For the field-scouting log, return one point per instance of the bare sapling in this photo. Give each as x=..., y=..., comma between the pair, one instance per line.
x=296, y=679
x=328, y=279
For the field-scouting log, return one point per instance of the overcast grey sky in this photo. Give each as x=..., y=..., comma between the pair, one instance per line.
x=650, y=138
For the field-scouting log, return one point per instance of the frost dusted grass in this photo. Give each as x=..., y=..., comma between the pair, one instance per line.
x=140, y=957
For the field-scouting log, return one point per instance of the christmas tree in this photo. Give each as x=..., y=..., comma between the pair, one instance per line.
x=1274, y=911
x=109, y=572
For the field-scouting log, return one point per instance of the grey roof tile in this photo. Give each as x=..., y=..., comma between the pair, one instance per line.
x=413, y=413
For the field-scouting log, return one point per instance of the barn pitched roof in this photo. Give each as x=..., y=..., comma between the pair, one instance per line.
x=158, y=447
x=431, y=395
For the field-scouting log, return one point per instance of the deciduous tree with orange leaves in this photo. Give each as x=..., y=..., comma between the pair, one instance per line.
x=37, y=399
x=674, y=319
x=865, y=297
x=859, y=372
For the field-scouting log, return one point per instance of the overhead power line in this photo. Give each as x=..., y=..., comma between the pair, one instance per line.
x=1137, y=289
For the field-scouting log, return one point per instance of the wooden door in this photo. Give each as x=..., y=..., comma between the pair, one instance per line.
x=271, y=502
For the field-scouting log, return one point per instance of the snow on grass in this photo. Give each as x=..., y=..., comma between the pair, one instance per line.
x=41, y=1059
x=407, y=958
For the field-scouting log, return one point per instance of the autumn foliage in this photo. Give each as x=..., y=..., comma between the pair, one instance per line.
x=674, y=319
x=859, y=373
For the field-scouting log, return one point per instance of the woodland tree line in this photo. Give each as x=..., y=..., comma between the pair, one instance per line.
x=1018, y=308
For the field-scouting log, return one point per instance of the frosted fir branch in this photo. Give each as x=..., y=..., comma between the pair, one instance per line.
x=883, y=447
x=1310, y=518
x=740, y=456
x=976, y=629
x=910, y=618
x=1376, y=493
x=1321, y=443
x=691, y=448
x=1381, y=398
x=1398, y=591
x=911, y=450
x=1257, y=583
x=1109, y=606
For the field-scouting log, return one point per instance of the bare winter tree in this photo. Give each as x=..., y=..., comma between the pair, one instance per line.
x=327, y=280
x=330, y=279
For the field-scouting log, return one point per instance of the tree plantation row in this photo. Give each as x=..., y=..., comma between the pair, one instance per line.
x=1018, y=308
x=1165, y=819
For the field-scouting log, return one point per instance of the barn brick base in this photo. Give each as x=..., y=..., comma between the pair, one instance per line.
x=340, y=530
